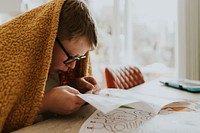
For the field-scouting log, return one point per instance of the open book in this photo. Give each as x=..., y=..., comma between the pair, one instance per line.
x=126, y=110
x=110, y=99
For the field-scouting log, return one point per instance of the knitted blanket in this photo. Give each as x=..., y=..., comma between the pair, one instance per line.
x=26, y=45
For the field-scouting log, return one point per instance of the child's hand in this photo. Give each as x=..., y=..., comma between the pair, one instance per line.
x=86, y=84
x=61, y=100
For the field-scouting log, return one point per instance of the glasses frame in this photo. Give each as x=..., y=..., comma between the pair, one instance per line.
x=70, y=58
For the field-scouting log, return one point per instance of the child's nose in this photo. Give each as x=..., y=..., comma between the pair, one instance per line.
x=72, y=64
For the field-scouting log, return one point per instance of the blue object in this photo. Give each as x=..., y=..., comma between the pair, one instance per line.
x=183, y=84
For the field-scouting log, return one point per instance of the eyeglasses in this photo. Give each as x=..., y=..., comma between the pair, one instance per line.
x=70, y=58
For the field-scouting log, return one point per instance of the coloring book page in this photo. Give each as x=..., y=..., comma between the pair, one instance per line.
x=120, y=120
x=175, y=118
x=110, y=99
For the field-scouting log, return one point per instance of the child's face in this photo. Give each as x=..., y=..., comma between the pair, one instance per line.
x=75, y=47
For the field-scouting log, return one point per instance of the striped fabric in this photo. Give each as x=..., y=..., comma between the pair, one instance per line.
x=123, y=77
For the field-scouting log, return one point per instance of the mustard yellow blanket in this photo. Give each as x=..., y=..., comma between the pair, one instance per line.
x=26, y=45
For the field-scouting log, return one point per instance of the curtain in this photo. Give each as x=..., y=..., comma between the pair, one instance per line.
x=188, y=49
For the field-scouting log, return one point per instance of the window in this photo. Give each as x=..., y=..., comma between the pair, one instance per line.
x=138, y=32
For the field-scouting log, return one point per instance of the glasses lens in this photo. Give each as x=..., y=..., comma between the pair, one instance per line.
x=74, y=59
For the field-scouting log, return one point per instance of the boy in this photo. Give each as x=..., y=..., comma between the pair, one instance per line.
x=36, y=49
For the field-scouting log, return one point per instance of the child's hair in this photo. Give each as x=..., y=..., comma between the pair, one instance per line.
x=76, y=21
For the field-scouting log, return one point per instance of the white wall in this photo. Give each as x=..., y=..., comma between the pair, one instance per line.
x=10, y=6
x=9, y=9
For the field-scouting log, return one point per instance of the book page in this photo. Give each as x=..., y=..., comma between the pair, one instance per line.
x=118, y=97
x=117, y=121
x=176, y=122
x=178, y=117
x=105, y=103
